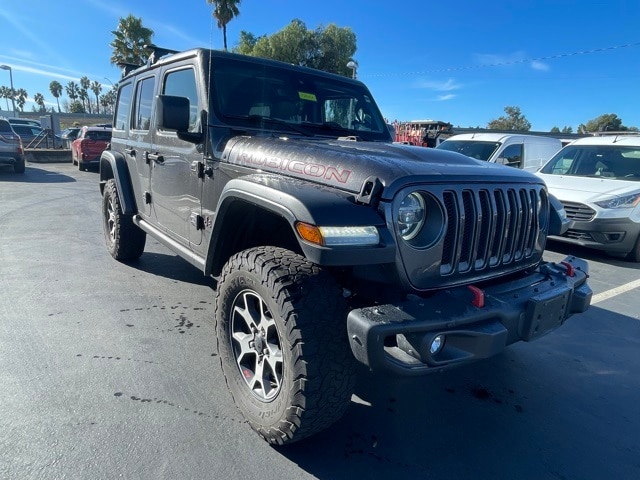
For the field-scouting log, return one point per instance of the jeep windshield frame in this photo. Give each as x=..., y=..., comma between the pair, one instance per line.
x=294, y=100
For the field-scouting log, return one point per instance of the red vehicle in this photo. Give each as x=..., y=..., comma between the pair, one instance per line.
x=89, y=145
x=426, y=133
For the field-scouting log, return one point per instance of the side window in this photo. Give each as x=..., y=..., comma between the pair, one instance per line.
x=123, y=107
x=182, y=83
x=143, y=104
x=512, y=156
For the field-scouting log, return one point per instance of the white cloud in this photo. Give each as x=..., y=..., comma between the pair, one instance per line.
x=442, y=86
x=538, y=65
x=444, y=98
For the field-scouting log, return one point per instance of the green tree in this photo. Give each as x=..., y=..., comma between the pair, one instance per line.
x=6, y=93
x=20, y=96
x=224, y=11
x=76, y=107
x=514, y=120
x=608, y=122
x=108, y=100
x=38, y=98
x=83, y=93
x=129, y=40
x=567, y=129
x=246, y=43
x=96, y=88
x=56, y=90
x=72, y=90
x=328, y=49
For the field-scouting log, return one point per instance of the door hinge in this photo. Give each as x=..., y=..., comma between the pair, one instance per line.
x=197, y=221
x=200, y=170
x=147, y=198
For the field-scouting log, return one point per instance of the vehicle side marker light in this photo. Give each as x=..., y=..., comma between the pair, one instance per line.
x=478, y=296
x=570, y=271
x=310, y=233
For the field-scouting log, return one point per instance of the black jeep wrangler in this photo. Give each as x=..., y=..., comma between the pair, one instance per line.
x=329, y=243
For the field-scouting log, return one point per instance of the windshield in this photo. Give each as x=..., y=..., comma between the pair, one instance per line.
x=607, y=161
x=471, y=148
x=268, y=97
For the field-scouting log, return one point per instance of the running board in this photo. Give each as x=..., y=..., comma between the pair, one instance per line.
x=170, y=243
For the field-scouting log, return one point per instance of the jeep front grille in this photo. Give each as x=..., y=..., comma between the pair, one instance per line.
x=578, y=211
x=488, y=228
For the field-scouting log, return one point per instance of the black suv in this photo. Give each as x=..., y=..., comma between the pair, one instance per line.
x=11, y=150
x=328, y=242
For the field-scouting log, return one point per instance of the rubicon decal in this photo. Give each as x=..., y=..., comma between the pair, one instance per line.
x=299, y=167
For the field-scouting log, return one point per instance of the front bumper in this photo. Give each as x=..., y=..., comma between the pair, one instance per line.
x=474, y=323
x=614, y=235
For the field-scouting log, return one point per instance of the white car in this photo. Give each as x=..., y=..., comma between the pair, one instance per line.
x=597, y=179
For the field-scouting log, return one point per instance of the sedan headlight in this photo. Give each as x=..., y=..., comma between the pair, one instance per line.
x=411, y=216
x=628, y=201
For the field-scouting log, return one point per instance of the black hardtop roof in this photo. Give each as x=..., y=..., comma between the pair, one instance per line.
x=205, y=54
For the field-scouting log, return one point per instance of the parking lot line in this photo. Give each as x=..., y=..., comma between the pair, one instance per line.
x=614, y=291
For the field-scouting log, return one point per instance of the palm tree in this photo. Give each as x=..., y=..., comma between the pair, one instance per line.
x=224, y=11
x=96, y=88
x=20, y=97
x=72, y=90
x=38, y=98
x=130, y=39
x=85, y=83
x=56, y=90
x=5, y=92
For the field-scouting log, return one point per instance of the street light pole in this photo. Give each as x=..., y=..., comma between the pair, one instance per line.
x=13, y=101
x=353, y=66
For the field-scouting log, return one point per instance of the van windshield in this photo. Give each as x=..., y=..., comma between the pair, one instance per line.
x=268, y=97
x=601, y=161
x=471, y=148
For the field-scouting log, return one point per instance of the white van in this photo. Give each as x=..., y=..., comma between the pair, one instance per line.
x=528, y=152
x=597, y=179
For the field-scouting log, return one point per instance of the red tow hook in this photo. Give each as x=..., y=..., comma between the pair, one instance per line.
x=570, y=270
x=478, y=296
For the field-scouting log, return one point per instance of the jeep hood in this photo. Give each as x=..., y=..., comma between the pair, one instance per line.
x=587, y=189
x=347, y=164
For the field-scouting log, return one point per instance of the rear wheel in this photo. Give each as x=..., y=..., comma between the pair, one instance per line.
x=20, y=166
x=282, y=340
x=125, y=241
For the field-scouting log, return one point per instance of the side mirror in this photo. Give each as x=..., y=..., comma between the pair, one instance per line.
x=172, y=113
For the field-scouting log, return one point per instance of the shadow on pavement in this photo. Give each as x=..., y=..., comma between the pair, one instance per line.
x=590, y=254
x=547, y=409
x=33, y=174
x=171, y=266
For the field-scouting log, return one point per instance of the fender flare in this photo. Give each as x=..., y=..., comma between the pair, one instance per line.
x=113, y=165
x=301, y=201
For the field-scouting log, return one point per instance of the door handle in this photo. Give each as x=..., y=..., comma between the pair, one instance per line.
x=156, y=157
x=130, y=151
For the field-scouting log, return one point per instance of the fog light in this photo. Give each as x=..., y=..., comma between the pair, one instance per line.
x=436, y=344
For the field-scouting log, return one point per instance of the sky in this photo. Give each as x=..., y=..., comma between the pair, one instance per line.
x=562, y=63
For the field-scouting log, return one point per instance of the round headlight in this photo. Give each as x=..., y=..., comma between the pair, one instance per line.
x=411, y=215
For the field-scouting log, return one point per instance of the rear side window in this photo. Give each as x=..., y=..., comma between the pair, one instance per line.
x=143, y=104
x=104, y=136
x=182, y=83
x=5, y=127
x=123, y=107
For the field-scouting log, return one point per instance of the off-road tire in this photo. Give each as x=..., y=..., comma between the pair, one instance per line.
x=305, y=317
x=125, y=241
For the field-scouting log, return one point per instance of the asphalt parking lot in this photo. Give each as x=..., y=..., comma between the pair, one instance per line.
x=110, y=371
